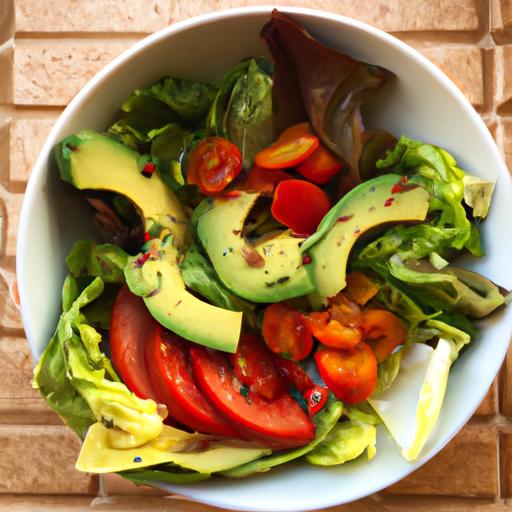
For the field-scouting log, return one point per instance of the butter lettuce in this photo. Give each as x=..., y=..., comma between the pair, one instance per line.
x=345, y=442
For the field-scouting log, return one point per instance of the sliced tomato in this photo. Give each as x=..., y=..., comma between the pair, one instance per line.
x=168, y=363
x=296, y=130
x=254, y=367
x=316, y=398
x=131, y=325
x=300, y=205
x=350, y=374
x=286, y=332
x=280, y=423
x=213, y=164
x=331, y=332
x=360, y=288
x=383, y=331
x=293, y=374
x=320, y=166
x=287, y=152
x=264, y=180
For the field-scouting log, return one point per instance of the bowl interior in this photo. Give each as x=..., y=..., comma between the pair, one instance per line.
x=421, y=103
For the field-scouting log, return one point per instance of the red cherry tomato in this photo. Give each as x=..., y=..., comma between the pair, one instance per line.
x=316, y=398
x=254, y=367
x=300, y=205
x=293, y=374
x=383, y=331
x=331, y=332
x=320, y=166
x=130, y=328
x=287, y=152
x=264, y=180
x=350, y=374
x=279, y=423
x=296, y=130
x=167, y=359
x=213, y=164
x=286, y=332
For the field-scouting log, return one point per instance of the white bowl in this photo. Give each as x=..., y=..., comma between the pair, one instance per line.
x=423, y=103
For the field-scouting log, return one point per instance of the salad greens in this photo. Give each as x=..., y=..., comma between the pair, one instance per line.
x=407, y=267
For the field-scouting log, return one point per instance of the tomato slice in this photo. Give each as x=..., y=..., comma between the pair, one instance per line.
x=300, y=205
x=293, y=374
x=213, y=164
x=320, y=166
x=130, y=328
x=333, y=333
x=254, y=367
x=286, y=332
x=296, y=130
x=264, y=180
x=167, y=359
x=280, y=423
x=287, y=152
x=316, y=398
x=383, y=331
x=350, y=374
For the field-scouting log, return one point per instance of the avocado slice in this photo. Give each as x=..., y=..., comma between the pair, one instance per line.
x=276, y=272
x=387, y=198
x=156, y=277
x=91, y=161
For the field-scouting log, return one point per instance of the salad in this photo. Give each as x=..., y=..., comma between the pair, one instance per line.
x=274, y=279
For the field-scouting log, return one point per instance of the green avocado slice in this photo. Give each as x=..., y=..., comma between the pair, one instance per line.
x=91, y=161
x=156, y=277
x=387, y=198
x=278, y=273
x=324, y=421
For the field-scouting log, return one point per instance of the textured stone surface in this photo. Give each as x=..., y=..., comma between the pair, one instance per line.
x=51, y=72
x=502, y=79
x=501, y=20
x=399, y=15
x=11, y=204
x=506, y=388
x=91, y=16
x=115, y=485
x=9, y=315
x=28, y=134
x=15, y=369
x=507, y=141
x=6, y=20
x=466, y=467
x=41, y=459
x=489, y=405
x=506, y=468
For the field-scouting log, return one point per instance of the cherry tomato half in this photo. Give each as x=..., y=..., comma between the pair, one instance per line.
x=130, y=329
x=213, y=164
x=320, y=166
x=286, y=332
x=296, y=130
x=254, y=367
x=350, y=374
x=331, y=332
x=316, y=398
x=300, y=205
x=293, y=374
x=383, y=331
x=264, y=180
x=287, y=152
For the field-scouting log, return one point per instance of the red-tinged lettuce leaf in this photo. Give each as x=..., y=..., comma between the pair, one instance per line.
x=326, y=85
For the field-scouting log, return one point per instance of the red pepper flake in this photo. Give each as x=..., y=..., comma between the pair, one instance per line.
x=147, y=236
x=298, y=235
x=306, y=259
x=403, y=186
x=148, y=169
x=252, y=257
x=389, y=202
x=230, y=194
x=357, y=230
x=345, y=218
x=142, y=259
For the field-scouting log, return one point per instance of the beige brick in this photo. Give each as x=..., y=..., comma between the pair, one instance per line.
x=467, y=466
x=399, y=15
x=11, y=207
x=52, y=71
x=91, y=16
x=40, y=460
x=501, y=21
x=9, y=315
x=463, y=65
x=6, y=72
x=506, y=465
x=16, y=369
x=6, y=20
x=502, y=79
x=115, y=485
x=27, y=411
x=489, y=405
x=28, y=134
x=506, y=125
x=506, y=388
x=5, y=127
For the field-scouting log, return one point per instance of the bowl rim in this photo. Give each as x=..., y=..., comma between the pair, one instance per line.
x=38, y=174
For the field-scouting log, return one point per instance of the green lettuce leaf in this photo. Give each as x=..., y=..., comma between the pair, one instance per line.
x=361, y=413
x=345, y=442
x=324, y=421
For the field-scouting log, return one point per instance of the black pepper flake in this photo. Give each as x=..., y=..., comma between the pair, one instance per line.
x=283, y=279
x=107, y=422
